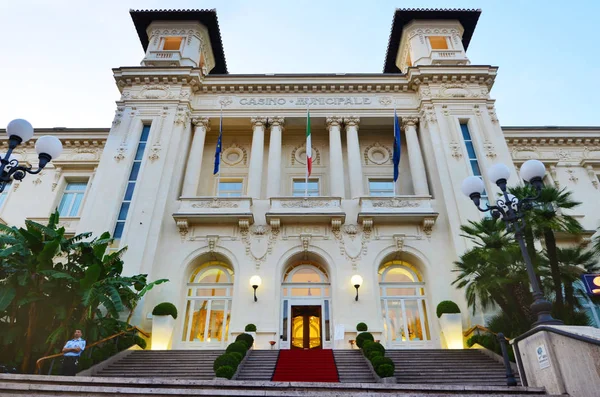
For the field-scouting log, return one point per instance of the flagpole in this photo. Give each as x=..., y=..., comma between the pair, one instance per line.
x=220, y=134
x=306, y=179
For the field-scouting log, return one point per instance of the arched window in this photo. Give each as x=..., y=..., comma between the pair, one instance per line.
x=208, y=305
x=403, y=304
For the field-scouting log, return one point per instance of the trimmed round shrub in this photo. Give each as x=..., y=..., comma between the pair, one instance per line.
x=381, y=360
x=447, y=307
x=141, y=342
x=238, y=356
x=373, y=346
x=225, y=372
x=246, y=338
x=239, y=347
x=250, y=328
x=362, y=337
x=225, y=360
x=361, y=327
x=165, y=309
x=373, y=354
x=243, y=342
x=385, y=371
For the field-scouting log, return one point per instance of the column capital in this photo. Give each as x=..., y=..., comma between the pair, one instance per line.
x=351, y=121
x=333, y=121
x=410, y=121
x=201, y=122
x=258, y=121
x=276, y=120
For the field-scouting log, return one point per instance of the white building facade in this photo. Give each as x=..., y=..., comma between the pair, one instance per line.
x=149, y=180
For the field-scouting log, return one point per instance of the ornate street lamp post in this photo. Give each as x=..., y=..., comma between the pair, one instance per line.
x=512, y=212
x=20, y=131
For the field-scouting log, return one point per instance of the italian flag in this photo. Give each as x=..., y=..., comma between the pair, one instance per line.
x=308, y=145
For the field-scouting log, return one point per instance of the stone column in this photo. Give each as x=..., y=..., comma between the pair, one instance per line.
x=336, y=163
x=194, y=162
x=274, y=171
x=354, y=158
x=256, y=157
x=415, y=158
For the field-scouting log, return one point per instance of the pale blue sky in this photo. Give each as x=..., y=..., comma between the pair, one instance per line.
x=56, y=55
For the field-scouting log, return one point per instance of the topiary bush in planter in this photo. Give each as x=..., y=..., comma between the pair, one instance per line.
x=165, y=309
x=238, y=356
x=373, y=354
x=361, y=327
x=362, y=337
x=447, y=307
x=250, y=328
x=373, y=346
x=385, y=371
x=239, y=347
x=246, y=338
x=225, y=360
x=225, y=372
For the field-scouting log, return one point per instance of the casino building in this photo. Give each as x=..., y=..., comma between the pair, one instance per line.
x=149, y=180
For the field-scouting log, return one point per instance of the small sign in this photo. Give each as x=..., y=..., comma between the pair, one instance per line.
x=592, y=283
x=339, y=332
x=542, y=356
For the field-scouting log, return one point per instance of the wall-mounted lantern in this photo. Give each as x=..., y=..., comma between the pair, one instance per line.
x=255, y=282
x=356, y=281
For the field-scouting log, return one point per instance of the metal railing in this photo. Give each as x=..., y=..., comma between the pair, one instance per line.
x=88, y=349
x=510, y=376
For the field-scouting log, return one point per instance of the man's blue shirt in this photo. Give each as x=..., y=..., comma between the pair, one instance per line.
x=72, y=344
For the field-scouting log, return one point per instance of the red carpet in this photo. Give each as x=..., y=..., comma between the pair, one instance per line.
x=305, y=366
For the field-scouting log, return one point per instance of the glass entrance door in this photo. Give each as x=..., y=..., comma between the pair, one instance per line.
x=306, y=327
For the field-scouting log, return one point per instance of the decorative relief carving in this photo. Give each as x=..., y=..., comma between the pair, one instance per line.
x=57, y=174
x=256, y=234
x=394, y=202
x=183, y=227
x=212, y=242
x=377, y=154
x=155, y=91
x=118, y=116
x=490, y=151
x=456, y=150
x=425, y=91
x=305, y=238
x=492, y=113
x=554, y=176
x=225, y=101
x=154, y=153
x=593, y=176
x=572, y=177
x=351, y=121
x=385, y=101
x=306, y=203
x=333, y=121
x=235, y=155
x=202, y=122
x=299, y=155
x=428, y=226
x=428, y=114
x=409, y=121
x=120, y=153
x=399, y=240
x=182, y=116
x=215, y=203
x=258, y=121
x=276, y=121
x=563, y=154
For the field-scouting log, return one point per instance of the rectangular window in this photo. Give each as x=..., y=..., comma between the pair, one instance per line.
x=172, y=43
x=230, y=188
x=70, y=204
x=133, y=175
x=299, y=188
x=472, y=158
x=381, y=187
x=5, y=193
x=438, y=42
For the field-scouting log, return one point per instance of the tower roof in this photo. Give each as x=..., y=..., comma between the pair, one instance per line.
x=467, y=18
x=143, y=18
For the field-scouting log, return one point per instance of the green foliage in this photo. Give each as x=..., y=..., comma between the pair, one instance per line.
x=385, y=371
x=243, y=342
x=51, y=285
x=373, y=354
x=447, y=307
x=165, y=309
x=246, y=338
x=250, y=328
x=225, y=372
x=239, y=347
x=490, y=341
x=372, y=347
x=238, y=356
x=379, y=361
x=362, y=337
x=225, y=360
x=361, y=327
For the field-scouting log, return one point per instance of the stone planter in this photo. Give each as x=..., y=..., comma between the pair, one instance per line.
x=162, y=329
x=451, y=327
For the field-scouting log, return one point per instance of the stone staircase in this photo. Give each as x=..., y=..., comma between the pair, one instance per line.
x=460, y=367
x=83, y=386
x=352, y=367
x=181, y=364
x=259, y=365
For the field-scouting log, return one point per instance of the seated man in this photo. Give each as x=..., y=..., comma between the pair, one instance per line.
x=72, y=351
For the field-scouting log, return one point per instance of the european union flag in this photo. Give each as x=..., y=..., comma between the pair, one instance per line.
x=397, y=146
x=218, y=149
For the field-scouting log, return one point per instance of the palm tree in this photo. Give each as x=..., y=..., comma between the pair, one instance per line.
x=544, y=220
